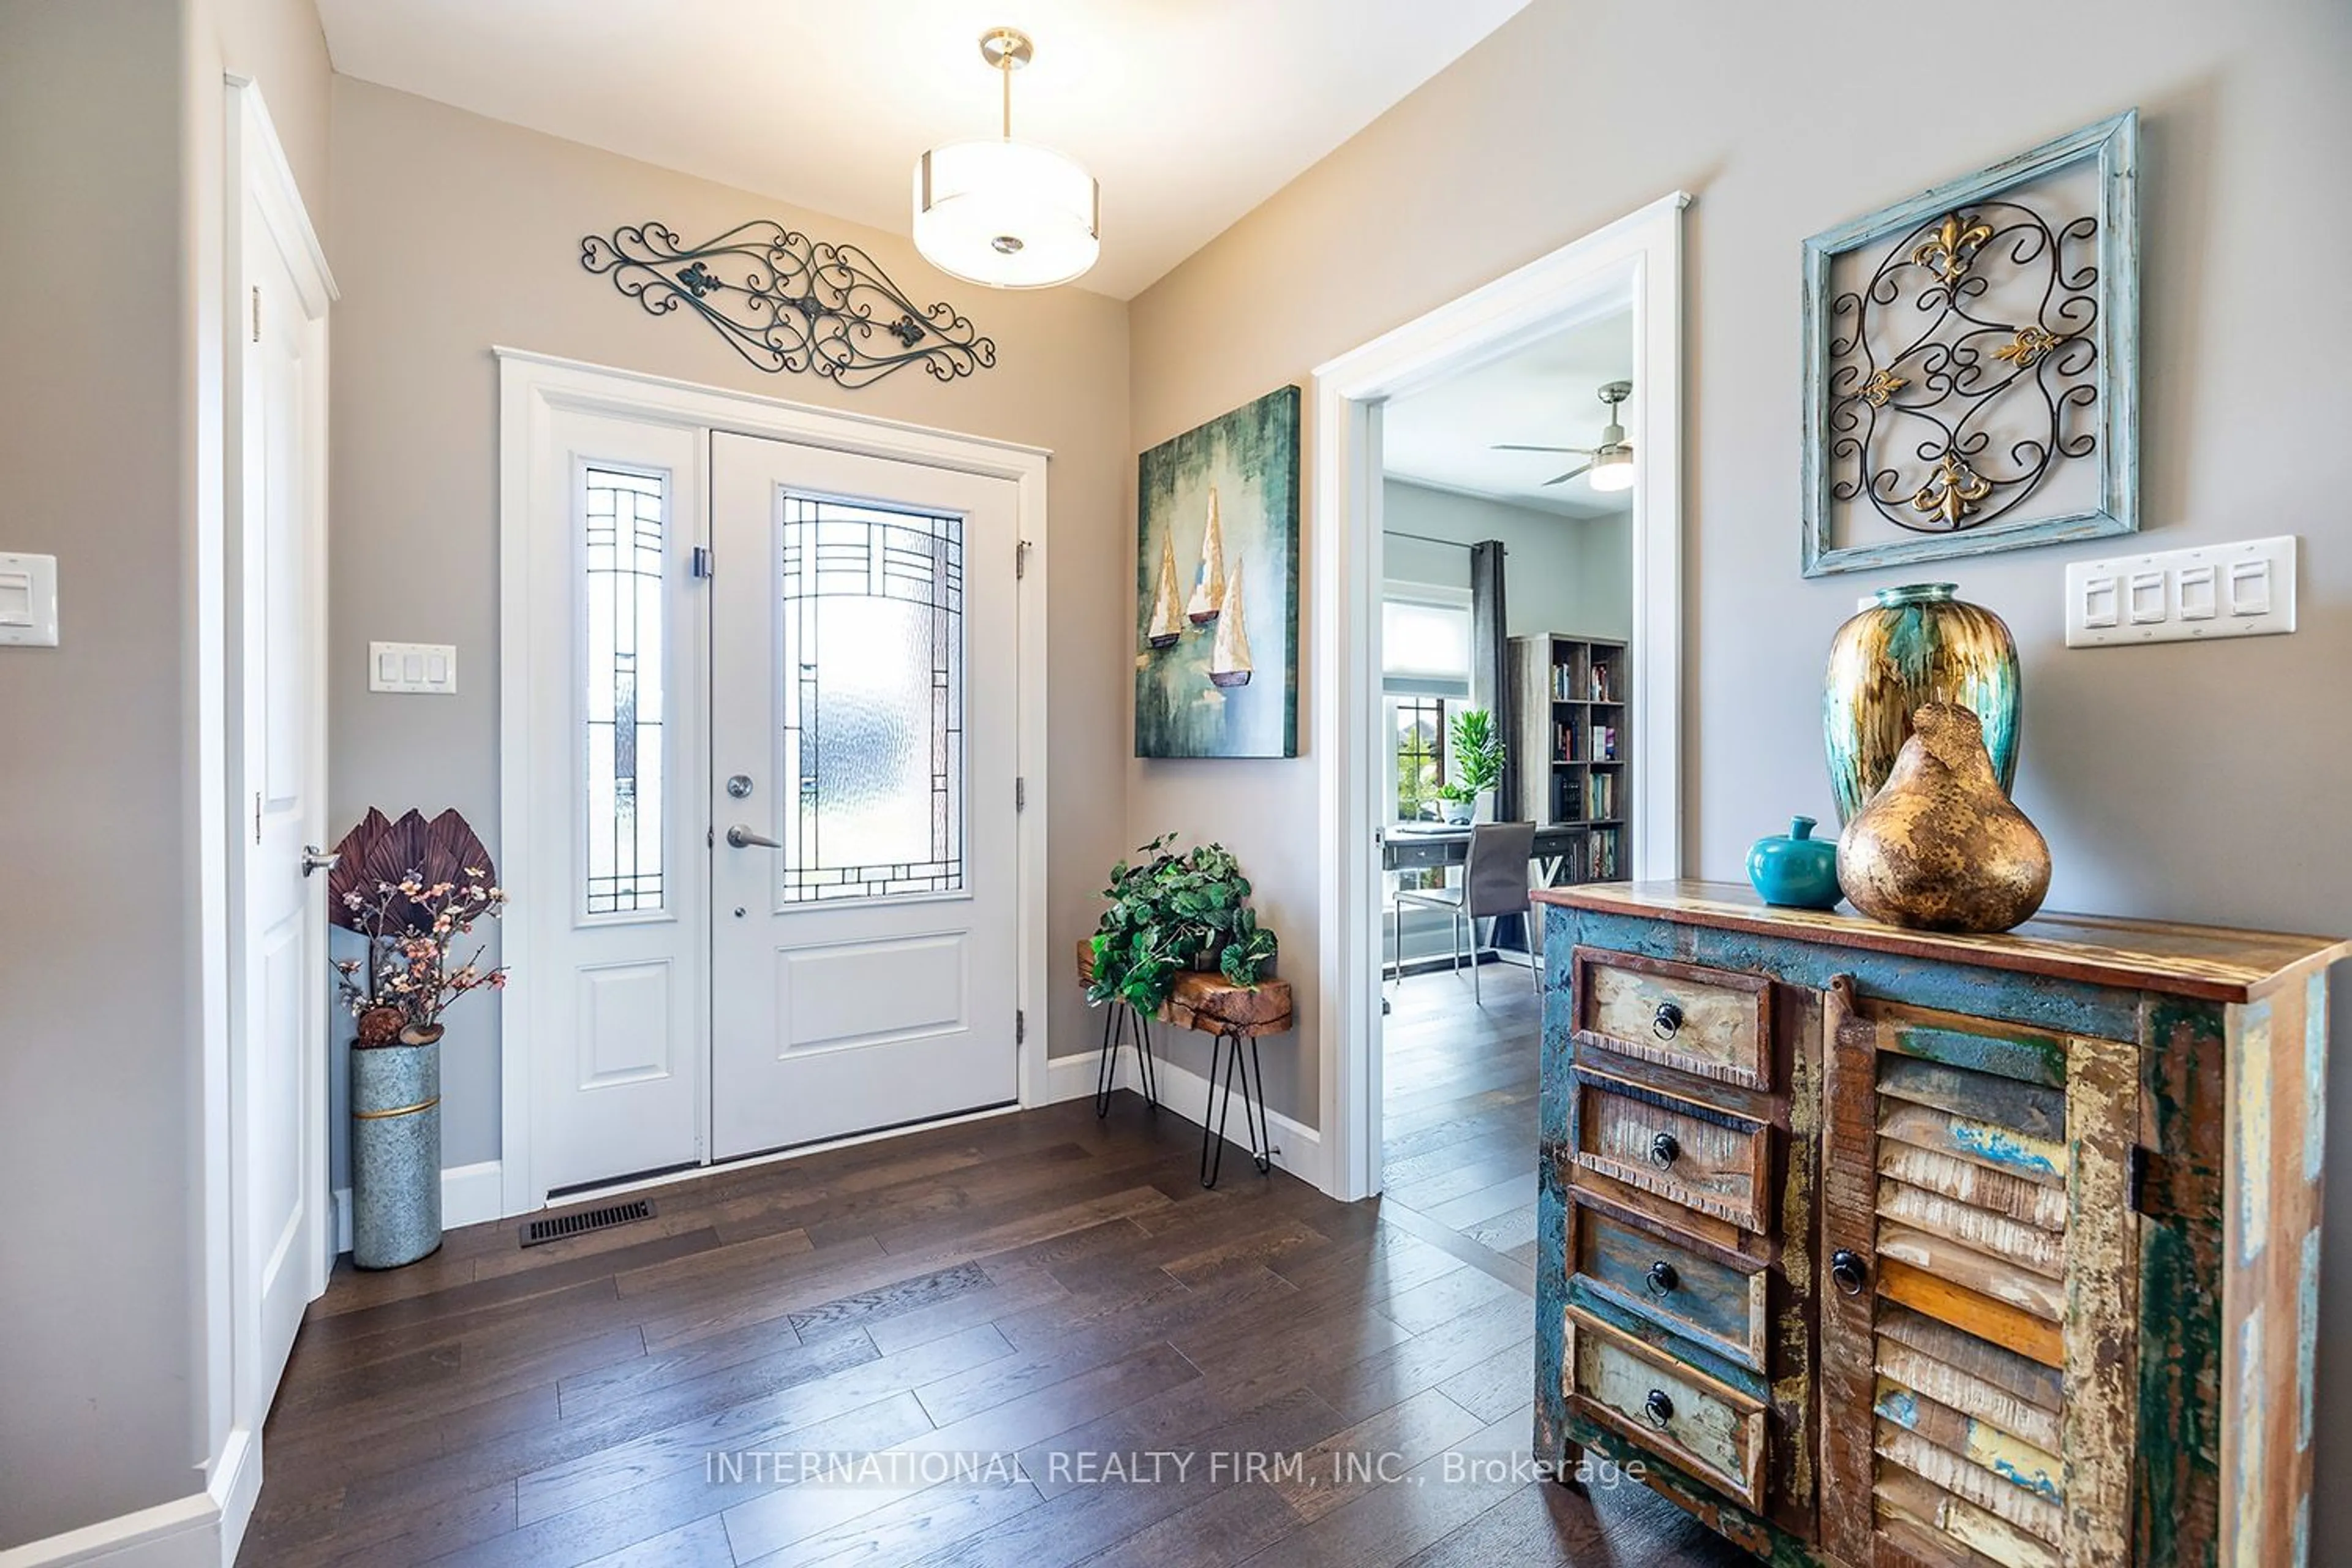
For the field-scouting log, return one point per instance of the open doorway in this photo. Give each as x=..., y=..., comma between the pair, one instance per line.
x=1507, y=612
x=1619, y=286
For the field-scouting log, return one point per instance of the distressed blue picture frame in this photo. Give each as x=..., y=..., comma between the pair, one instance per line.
x=2114, y=144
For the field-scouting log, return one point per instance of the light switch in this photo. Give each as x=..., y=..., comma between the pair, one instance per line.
x=2197, y=590
x=2205, y=592
x=28, y=601
x=415, y=668
x=2102, y=600
x=2250, y=588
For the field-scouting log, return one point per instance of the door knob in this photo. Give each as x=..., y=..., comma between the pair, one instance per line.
x=1847, y=1269
x=741, y=837
x=315, y=859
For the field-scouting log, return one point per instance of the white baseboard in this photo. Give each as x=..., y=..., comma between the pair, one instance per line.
x=469, y=1195
x=203, y=1529
x=1298, y=1148
x=183, y=1533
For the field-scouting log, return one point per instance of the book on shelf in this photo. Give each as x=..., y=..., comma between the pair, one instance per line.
x=1604, y=742
x=1601, y=854
x=1600, y=797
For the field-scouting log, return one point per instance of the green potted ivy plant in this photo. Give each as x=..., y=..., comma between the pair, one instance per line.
x=416, y=890
x=1478, y=765
x=1171, y=910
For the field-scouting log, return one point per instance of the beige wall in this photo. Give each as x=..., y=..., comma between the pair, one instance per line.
x=1561, y=574
x=455, y=233
x=110, y=151
x=2203, y=783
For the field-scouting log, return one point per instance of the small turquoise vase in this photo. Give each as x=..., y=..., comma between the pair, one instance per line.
x=1799, y=870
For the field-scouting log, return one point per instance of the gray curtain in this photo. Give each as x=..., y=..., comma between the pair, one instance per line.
x=1490, y=653
x=1490, y=688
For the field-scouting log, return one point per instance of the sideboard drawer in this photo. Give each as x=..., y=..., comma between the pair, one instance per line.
x=1689, y=1153
x=1676, y=1286
x=1716, y=1023
x=1714, y=1431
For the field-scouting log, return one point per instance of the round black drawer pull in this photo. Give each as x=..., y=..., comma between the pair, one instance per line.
x=1665, y=1150
x=1847, y=1269
x=1658, y=1407
x=1662, y=1278
x=1667, y=1021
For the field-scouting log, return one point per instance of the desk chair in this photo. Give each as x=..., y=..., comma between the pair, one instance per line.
x=1494, y=882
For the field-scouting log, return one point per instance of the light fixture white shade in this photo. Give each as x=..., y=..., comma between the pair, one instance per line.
x=1612, y=468
x=1006, y=214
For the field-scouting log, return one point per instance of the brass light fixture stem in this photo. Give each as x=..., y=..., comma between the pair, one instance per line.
x=1007, y=49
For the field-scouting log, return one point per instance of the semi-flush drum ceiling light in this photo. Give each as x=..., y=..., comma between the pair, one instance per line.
x=1005, y=213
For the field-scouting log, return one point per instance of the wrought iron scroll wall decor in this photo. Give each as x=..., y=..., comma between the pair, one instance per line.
x=1971, y=362
x=787, y=302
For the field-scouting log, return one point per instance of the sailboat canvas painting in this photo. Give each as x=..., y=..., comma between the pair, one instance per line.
x=1216, y=661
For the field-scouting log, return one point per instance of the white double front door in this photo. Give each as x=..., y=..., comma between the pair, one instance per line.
x=771, y=797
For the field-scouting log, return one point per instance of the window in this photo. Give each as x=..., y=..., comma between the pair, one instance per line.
x=1420, y=736
x=624, y=820
x=872, y=701
x=1424, y=644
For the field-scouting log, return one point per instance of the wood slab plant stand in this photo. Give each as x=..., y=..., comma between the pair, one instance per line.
x=1232, y=1015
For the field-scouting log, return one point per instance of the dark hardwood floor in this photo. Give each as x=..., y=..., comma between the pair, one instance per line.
x=1458, y=1085
x=989, y=1316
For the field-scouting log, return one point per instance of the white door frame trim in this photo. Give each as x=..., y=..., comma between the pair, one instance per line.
x=253, y=165
x=530, y=386
x=1558, y=290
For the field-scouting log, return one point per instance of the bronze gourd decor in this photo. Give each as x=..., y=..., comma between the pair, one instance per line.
x=1939, y=846
x=1917, y=645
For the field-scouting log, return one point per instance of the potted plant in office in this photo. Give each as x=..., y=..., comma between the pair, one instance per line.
x=415, y=890
x=1477, y=763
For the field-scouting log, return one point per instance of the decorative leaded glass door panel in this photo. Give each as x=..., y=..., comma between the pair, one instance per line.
x=863, y=750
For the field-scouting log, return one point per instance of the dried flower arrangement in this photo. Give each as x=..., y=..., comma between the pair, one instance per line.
x=415, y=889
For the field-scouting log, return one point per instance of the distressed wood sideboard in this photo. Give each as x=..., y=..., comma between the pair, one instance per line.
x=1879, y=1247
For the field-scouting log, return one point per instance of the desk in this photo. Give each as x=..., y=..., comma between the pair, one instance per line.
x=1413, y=847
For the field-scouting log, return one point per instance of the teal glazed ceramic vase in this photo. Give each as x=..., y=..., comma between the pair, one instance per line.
x=1915, y=645
x=1798, y=871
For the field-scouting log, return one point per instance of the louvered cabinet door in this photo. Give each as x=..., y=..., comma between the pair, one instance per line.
x=1979, y=1290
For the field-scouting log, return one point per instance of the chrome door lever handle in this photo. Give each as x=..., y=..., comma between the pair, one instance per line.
x=315, y=859
x=741, y=837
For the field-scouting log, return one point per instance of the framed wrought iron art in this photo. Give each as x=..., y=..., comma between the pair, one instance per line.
x=787, y=302
x=1971, y=362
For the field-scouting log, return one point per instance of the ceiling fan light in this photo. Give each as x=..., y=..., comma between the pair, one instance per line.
x=1006, y=214
x=1612, y=468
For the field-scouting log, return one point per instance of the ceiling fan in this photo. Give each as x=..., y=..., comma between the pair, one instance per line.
x=1612, y=462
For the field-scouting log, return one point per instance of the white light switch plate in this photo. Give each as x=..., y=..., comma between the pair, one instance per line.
x=2210, y=591
x=28, y=601
x=430, y=669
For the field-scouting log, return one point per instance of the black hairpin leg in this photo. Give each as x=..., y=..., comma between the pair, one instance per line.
x=1226, y=1051
x=1106, y=1064
x=1149, y=1074
x=1115, y=1023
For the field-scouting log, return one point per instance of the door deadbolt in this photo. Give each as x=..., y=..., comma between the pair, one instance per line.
x=739, y=787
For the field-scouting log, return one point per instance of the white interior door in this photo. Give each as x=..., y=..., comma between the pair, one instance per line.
x=276, y=696
x=864, y=732
x=615, y=781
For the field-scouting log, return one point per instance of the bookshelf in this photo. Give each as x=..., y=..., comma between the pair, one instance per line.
x=1570, y=734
